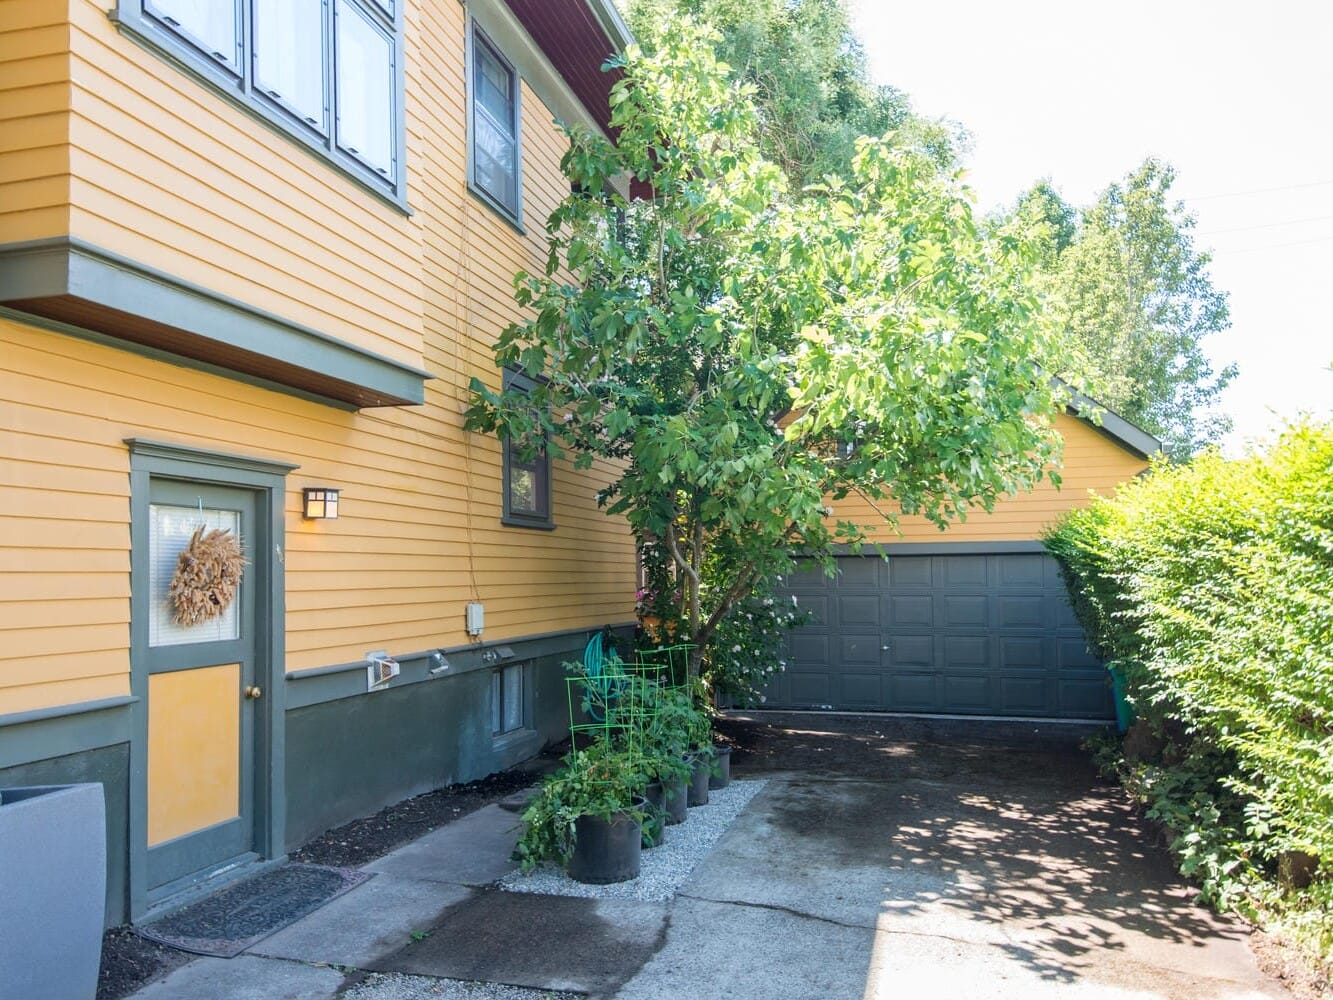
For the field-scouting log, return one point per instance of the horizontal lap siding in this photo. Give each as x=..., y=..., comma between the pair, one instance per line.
x=170, y=175
x=1091, y=461
x=419, y=534
x=34, y=120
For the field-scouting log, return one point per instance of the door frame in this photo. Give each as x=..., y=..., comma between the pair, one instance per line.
x=266, y=481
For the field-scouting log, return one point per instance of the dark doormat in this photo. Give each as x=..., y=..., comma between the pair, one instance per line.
x=232, y=919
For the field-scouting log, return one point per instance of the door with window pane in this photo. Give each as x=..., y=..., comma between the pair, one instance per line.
x=201, y=692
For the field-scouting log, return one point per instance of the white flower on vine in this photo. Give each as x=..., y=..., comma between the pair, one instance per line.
x=736, y=649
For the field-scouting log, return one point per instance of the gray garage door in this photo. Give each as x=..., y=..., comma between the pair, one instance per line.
x=981, y=634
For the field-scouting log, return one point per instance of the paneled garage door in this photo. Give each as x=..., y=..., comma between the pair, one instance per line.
x=980, y=634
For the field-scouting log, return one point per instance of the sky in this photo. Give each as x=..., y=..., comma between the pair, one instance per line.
x=1238, y=97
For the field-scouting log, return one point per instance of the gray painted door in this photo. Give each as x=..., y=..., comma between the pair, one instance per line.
x=972, y=634
x=200, y=693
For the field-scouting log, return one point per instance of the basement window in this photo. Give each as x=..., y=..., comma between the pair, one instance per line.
x=507, y=700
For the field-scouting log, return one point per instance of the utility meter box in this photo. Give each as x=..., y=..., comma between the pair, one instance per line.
x=476, y=618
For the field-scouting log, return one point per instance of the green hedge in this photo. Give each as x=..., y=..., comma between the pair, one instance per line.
x=1212, y=584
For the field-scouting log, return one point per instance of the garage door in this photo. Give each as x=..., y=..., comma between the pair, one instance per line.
x=980, y=634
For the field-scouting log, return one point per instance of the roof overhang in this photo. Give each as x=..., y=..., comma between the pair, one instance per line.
x=576, y=37
x=92, y=292
x=1129, y=436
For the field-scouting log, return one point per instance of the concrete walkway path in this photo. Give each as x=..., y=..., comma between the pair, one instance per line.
x=884, y=859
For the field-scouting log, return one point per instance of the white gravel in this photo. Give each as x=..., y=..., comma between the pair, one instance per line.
x=396, y=986
x=664, y=868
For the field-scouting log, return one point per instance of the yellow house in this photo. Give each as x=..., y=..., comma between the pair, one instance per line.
x=250, y=250
x=251, y=256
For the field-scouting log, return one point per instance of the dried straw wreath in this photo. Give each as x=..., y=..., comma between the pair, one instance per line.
x=207, y=575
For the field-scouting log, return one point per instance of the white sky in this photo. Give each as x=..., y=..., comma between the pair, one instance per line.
x=1237, y=96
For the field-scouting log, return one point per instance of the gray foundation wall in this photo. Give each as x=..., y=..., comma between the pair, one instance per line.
x=348, y=751
x=351, y=753
x=110, y=766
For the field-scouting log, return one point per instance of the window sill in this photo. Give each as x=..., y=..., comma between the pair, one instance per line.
x=520, y=740
x=512, y=219
x=537, y=524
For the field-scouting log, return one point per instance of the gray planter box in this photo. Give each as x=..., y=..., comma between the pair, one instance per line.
x=52, y=890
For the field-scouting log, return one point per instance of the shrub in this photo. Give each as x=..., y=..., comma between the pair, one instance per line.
x=1213, y=584
x=747, y=649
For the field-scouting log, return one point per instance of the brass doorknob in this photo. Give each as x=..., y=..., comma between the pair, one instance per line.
x=253, y=691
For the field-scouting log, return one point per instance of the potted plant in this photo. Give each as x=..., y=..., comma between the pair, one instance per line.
x=668, y=772
x=588, y=816
x=681, y=726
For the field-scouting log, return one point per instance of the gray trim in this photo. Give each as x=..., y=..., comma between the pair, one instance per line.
x=958, y=548
x=1097, y=416
x=66, y=266
x=166, y=357
x=239, y=91
x=61, y=711
x=513, y=216
x=170, y=454
x=41, y=734
x=267, y=479
x=316, y=685
x=511, y=379
x=612, y=23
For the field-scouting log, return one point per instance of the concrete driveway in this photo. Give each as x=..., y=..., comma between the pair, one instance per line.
x=906, y=858
x=884, y=858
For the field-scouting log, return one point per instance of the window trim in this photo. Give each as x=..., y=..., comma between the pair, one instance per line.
x=514, y=216
x=521, y=669
x=522, y=518
x=137, y=22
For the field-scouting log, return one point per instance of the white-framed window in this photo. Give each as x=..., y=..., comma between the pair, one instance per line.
x=507, y=704
x=329, y=73
x=494, y=146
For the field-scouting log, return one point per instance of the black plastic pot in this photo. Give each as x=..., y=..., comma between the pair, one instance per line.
x=606, y=850
x=677, y=801
x=700, y=764
x=720, y=777
x=654, y=815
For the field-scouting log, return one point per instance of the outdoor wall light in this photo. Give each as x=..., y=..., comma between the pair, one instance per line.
x=319, y=502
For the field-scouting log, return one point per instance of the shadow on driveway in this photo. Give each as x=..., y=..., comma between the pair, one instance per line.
x=985, y=856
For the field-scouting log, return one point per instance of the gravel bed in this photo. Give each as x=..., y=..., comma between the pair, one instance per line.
x=663, y=869
x=396, y=986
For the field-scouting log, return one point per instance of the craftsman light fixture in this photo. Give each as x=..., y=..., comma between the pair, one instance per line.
x=319, y=502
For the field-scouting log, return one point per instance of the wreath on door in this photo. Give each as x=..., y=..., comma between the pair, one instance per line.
x=208, y=574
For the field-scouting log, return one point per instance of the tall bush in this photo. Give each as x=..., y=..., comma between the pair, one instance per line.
x=1212, y=583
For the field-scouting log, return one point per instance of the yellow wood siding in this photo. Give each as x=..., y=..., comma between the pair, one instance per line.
x=420, y=532
x=34, y=120
x=1091, y=461
x=170, y=175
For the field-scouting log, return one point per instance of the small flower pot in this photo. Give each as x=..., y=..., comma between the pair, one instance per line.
x=720, y=775
x=606, y=850
x=700, y=766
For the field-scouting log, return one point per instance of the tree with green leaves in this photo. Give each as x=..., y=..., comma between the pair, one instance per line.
x=744, y=355
x=812, y=89
x=1136, y=300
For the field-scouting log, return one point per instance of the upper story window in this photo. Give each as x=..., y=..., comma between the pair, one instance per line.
x=494, y=148
x=329, y=73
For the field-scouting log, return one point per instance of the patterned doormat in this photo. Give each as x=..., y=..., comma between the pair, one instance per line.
x=232, y=919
